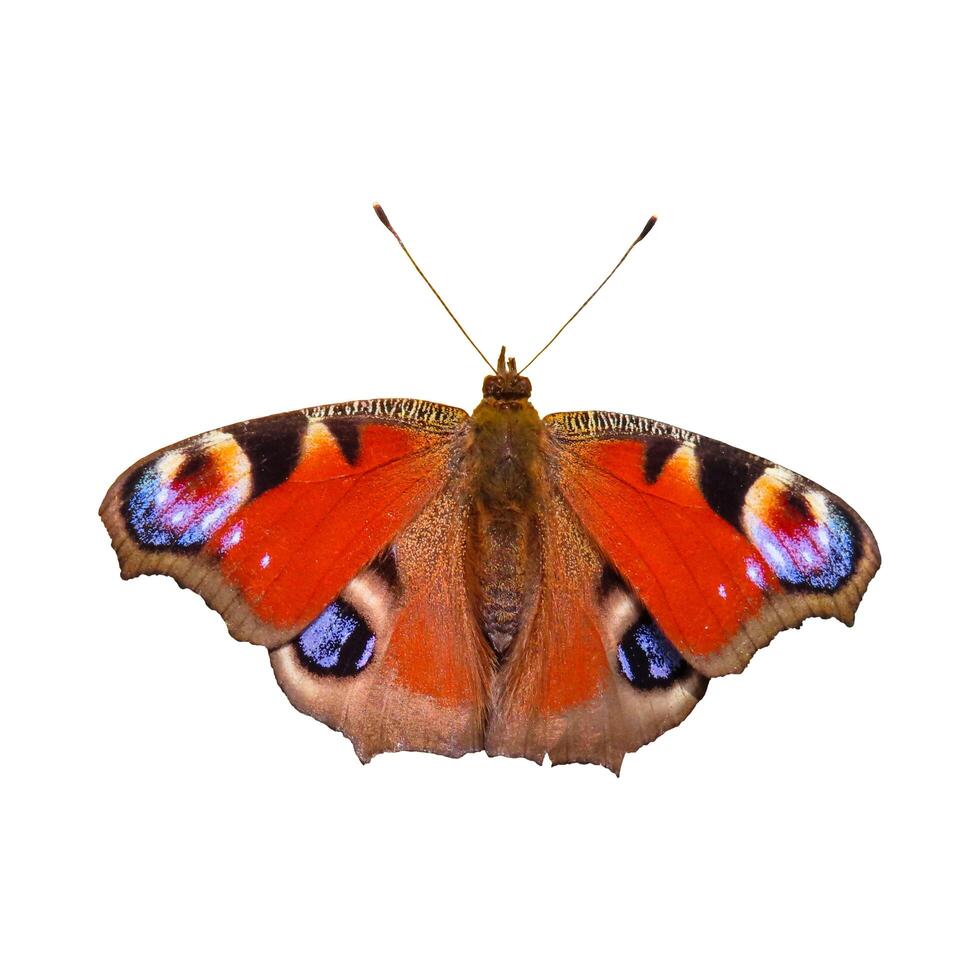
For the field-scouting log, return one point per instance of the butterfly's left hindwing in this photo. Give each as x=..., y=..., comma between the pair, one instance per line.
x=724, y=549
x=428, y=682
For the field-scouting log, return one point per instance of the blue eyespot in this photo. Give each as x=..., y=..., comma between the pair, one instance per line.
x=163, y=516
x=179, y=499
x=338, y=642
x=814, y=554
x=647, y=658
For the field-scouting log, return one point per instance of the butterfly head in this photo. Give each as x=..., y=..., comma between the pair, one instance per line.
x=508, y=384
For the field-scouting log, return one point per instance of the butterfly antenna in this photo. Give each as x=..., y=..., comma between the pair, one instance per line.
x=636, y=241
x=379, y=211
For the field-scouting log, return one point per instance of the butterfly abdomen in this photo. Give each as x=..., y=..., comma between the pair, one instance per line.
x=504, y=463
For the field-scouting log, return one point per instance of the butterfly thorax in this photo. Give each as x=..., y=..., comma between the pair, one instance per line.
x=504, y=468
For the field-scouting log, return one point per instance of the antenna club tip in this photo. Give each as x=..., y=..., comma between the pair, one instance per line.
x=383, y=218
x=651, y=221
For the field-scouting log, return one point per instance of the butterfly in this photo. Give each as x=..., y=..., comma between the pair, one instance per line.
x=430, y=580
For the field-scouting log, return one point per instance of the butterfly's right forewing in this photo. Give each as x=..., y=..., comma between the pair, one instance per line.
x=723, y=548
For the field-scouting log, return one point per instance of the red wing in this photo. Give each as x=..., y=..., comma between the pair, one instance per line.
x=268, y=520
x=724, y=549
x=333, y=536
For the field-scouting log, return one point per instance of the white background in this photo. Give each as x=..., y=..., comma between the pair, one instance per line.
x=188, y=241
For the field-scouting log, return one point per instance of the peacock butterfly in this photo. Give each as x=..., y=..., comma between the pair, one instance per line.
x=430, y=580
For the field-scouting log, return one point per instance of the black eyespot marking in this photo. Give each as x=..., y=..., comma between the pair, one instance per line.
x=611, y=581
x=386, y=566
x=192, y=463
x=348, y=436
x=798, y=504
x=648, y=659
x=726, y=476
x=272, y=448
x=337, y=643
x=659, y=450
